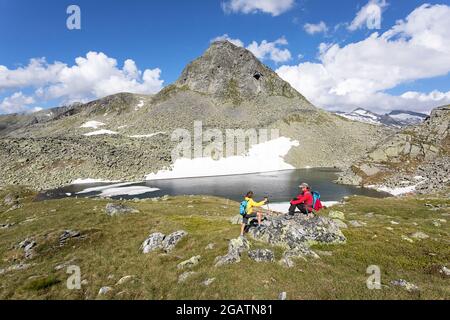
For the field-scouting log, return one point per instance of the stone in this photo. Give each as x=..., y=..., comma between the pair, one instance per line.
x=337, y=215
x=185, y=276
x=445, y=271
x=261, y=255
x=235, y=248
x=208, y=282
x=172, y=240
x=68, y=234
x=16, y=267
x=192, y=262
x=236, y=219
x=420, y=235
x=125, y=280
x=300, y=252
x=28, y=246
x=282, y=296
x=405, y=238
x=340, y=224
x=229, y=258
x=436, y=223
x=410, y=287
x=104, y=291
x=238, y=245
x=152, y=243
x=210, y=246
x=10, y=200
x=113, y=209
x=356, y=224
x=324, y=253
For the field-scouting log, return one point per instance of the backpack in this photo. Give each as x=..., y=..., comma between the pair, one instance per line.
x=316, y=199
x=243, y=208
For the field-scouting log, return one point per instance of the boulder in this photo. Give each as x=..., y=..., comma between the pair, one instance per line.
x=66, y=235
x=192, y=262
x=337, y=215
x=152, y=243
x=172, y=240
x=238, y=245
x=261, y=255
x=113, y=209
x=291, y=232
x=229, y=258
x=159, y=241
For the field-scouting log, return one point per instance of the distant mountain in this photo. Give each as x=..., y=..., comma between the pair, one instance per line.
x=397, y=118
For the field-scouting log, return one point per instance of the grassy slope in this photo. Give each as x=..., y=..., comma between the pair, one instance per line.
x=112, y=249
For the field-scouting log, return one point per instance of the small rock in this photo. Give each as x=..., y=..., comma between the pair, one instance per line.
x=261, y=255
x=104, y=291
x=66, y=235
x=113, y=209
x=445, y=271
x=406, y=285
x=152, y=243
x=10, y=200
x=192, y=262
x=420, y=235
x=436, y=223
x=337, y=215
x=84, y=282
x=208, y=282
x=356, y=224
x=324, y=253
x=390, y=229
x=125, y=280
x=229, y=258
x=282, y=296
x=395, y=223
x=210, y=246
x=183, y=277
x=405, y=238
x=239, y=245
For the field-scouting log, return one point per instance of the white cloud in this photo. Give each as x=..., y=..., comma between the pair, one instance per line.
x=265, y=50
x=273, y=7
x=270, y=50
x=320, y=27
x=18, y=102
x=370, y=16
x=358, y=73
x=236, y=42
x=93, y=76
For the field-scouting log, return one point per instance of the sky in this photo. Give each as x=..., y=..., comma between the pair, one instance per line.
x=380, y=55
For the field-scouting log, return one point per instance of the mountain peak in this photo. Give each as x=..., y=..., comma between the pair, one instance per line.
x=231, y=73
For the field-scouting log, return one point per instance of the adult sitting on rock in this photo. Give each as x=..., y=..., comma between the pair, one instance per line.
x=247, y=210
x=303, y=202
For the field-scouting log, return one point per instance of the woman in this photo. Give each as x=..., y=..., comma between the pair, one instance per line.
x=249, y=211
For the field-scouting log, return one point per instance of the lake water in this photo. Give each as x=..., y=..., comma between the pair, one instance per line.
x=280, y=186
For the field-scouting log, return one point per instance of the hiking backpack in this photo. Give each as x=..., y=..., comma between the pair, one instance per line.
x=243, y=208
x=316, y=197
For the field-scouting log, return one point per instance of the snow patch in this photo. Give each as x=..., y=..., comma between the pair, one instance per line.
x=395, y=191
x=92, y=124
x=89, y=181
x=100, y=133
x=103, y=188
x=127, y=191
x=139, y=105
x=147, y=135
x=264, y=157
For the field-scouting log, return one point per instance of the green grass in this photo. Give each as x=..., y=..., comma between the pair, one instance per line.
x=110, y=251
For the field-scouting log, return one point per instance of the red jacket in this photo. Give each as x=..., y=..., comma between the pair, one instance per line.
x=305, y=198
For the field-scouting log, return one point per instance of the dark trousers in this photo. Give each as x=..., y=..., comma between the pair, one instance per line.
x=300, y=207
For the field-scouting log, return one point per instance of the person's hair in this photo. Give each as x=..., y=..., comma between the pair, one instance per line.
x=249, y=194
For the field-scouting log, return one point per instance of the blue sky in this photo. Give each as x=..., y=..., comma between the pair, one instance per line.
x=162, y=36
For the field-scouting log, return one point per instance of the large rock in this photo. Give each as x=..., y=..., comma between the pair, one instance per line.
x=159, y=241
x=235, y=248
x=113, y=209
x=291, y=232
x=337, y=215
x=300, y=252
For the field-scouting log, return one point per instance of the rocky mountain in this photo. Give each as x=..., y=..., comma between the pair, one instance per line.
x=395, y=119
x=126, y=136
x=417, y=157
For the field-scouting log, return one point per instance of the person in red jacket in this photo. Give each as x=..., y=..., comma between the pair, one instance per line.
x=303, y=202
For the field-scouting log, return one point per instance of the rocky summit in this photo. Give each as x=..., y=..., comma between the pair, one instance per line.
x=416, y=157
x=127, y=136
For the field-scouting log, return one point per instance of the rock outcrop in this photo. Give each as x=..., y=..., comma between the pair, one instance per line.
x=158, y=241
